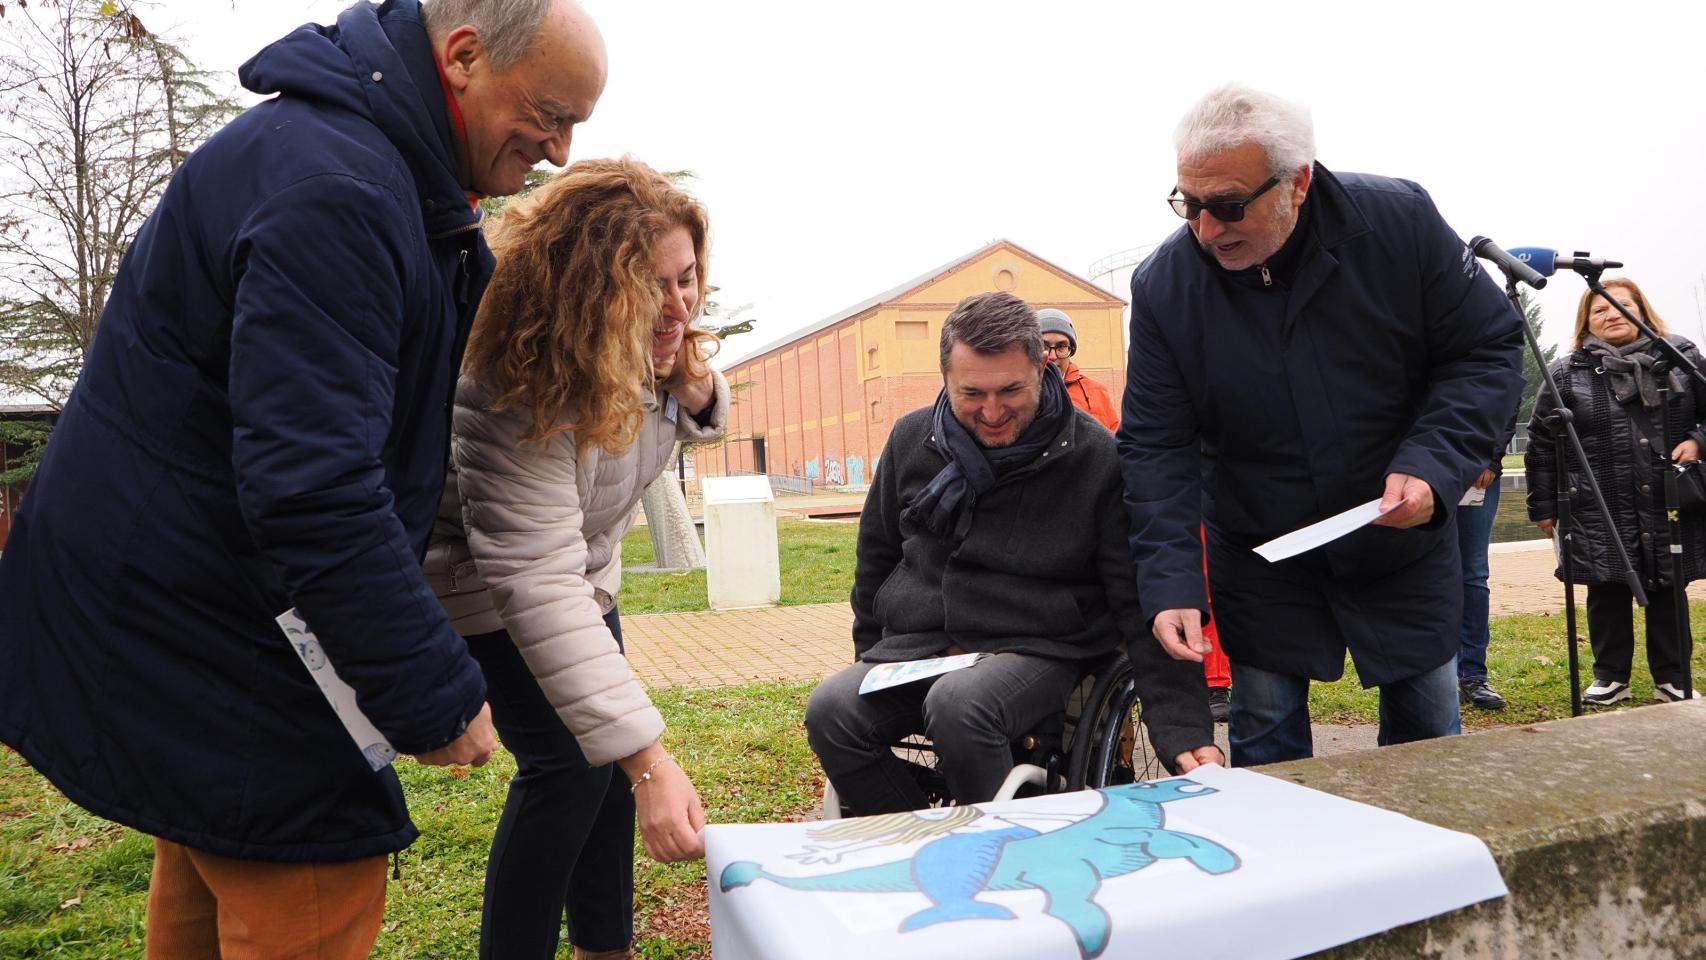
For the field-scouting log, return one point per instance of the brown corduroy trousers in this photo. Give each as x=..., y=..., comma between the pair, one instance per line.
x=207, y=907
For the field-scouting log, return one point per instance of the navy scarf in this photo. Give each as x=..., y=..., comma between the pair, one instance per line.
x=945, y=505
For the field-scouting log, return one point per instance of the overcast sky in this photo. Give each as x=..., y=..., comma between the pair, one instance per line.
x=844, y=148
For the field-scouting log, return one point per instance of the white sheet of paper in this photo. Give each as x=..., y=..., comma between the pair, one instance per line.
x=1122, y=872
x=888, y=675
x=339, y=694
x=1316, y=534
x=1473, y=497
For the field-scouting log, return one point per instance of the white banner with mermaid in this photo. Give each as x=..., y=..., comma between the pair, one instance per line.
x=1220, y=863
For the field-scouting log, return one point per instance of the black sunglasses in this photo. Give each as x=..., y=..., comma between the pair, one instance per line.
x=1226, y=211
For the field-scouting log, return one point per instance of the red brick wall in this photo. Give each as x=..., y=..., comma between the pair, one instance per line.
x=818, y=379
x=773, y=387
x=833, y=435
x=791, y=462
x=744, y=415
x=853, y=400
x=811, y=410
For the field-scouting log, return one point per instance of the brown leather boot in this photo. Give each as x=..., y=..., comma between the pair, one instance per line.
x=626, y=953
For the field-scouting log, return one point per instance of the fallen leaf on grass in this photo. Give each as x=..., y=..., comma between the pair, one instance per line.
x=1543, y=660
x=392, y=926
x=73, y=902
x=459, y=773
x=76, y=844
x=681, y=916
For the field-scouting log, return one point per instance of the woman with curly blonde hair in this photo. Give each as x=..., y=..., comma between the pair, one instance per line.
x=582, y=372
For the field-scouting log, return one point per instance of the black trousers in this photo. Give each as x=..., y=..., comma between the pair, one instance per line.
x=972, y=716
x=566, y=837
x=1611, y=630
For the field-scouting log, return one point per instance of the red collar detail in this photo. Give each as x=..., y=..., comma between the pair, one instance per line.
x=459, y=126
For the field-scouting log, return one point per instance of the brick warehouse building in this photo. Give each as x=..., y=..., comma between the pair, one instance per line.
x=820, y=403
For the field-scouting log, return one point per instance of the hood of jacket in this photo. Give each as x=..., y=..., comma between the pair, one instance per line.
x=376, y=62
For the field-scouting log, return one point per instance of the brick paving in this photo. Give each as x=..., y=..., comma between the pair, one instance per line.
x=727, y=647
x=724, y=648
x=1521, y=581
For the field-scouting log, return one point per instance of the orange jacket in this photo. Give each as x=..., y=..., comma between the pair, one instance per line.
x=1090, y=396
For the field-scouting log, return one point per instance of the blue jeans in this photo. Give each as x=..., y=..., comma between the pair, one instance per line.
x=971, y=715
x=565, y=840
x=1270, y=713
x=1474, y=532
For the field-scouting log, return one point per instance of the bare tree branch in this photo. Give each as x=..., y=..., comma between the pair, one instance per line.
x=96, y=112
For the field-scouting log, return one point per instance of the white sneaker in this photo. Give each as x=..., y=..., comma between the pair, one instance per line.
x=1670, y=693
x=1604, y=693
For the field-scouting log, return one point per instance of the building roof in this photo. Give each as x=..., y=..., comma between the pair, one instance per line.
x=17, y=401
x=895, y=293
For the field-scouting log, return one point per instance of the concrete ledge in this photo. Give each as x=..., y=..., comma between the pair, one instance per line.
x=1598, y=825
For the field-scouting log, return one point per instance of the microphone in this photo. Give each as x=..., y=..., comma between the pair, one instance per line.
x=1547, y=262
x=1513, y=267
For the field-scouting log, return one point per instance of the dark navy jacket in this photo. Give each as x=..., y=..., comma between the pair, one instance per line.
x=262, y=423
x=1262, y=408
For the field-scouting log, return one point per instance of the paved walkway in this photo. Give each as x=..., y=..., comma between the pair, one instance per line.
x=708, y=649
x=730, y=647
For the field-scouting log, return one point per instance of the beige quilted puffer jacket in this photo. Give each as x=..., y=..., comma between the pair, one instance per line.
x=529, y=539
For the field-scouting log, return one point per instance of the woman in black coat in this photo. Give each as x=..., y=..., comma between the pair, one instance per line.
x=1616, y=382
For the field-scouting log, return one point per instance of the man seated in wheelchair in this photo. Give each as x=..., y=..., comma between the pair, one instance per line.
x=994, y=526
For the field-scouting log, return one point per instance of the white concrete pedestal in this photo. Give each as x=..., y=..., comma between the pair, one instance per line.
x=743, y=567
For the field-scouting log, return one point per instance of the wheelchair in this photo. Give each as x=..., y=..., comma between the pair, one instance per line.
x=1095, y=741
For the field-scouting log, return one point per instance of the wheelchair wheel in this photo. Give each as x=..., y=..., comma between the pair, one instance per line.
x=1108, y=745
x=920, y=758
x=919, y=755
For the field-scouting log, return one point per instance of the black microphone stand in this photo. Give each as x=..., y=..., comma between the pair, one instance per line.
x=1673, y=511
x=1685, y=632
x=1562, y=420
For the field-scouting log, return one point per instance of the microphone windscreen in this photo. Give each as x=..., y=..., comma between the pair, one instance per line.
x=1544, y=261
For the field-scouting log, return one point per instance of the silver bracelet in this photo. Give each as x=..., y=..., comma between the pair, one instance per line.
x=647, y=775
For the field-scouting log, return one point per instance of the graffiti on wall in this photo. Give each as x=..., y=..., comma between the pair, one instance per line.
x=855, y=470
x=832, y=472
x=811, y=470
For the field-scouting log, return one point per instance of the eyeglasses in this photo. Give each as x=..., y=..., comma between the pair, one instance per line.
x=1226, y=211
x=1062, y=349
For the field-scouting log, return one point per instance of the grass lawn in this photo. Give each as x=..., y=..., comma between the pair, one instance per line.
x=73, y=886
x=1512, y=461
x=816, y=561
x=1527, y=662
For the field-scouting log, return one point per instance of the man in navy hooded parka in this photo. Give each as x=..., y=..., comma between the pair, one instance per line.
x=1311, y=342
x=262, y=424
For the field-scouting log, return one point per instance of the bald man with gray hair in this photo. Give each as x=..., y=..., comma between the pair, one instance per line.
x=261, y=428
x=520, y=75
x=1307, y=342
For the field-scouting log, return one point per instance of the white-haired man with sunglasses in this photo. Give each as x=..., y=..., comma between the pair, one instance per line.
x=1309, y=341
